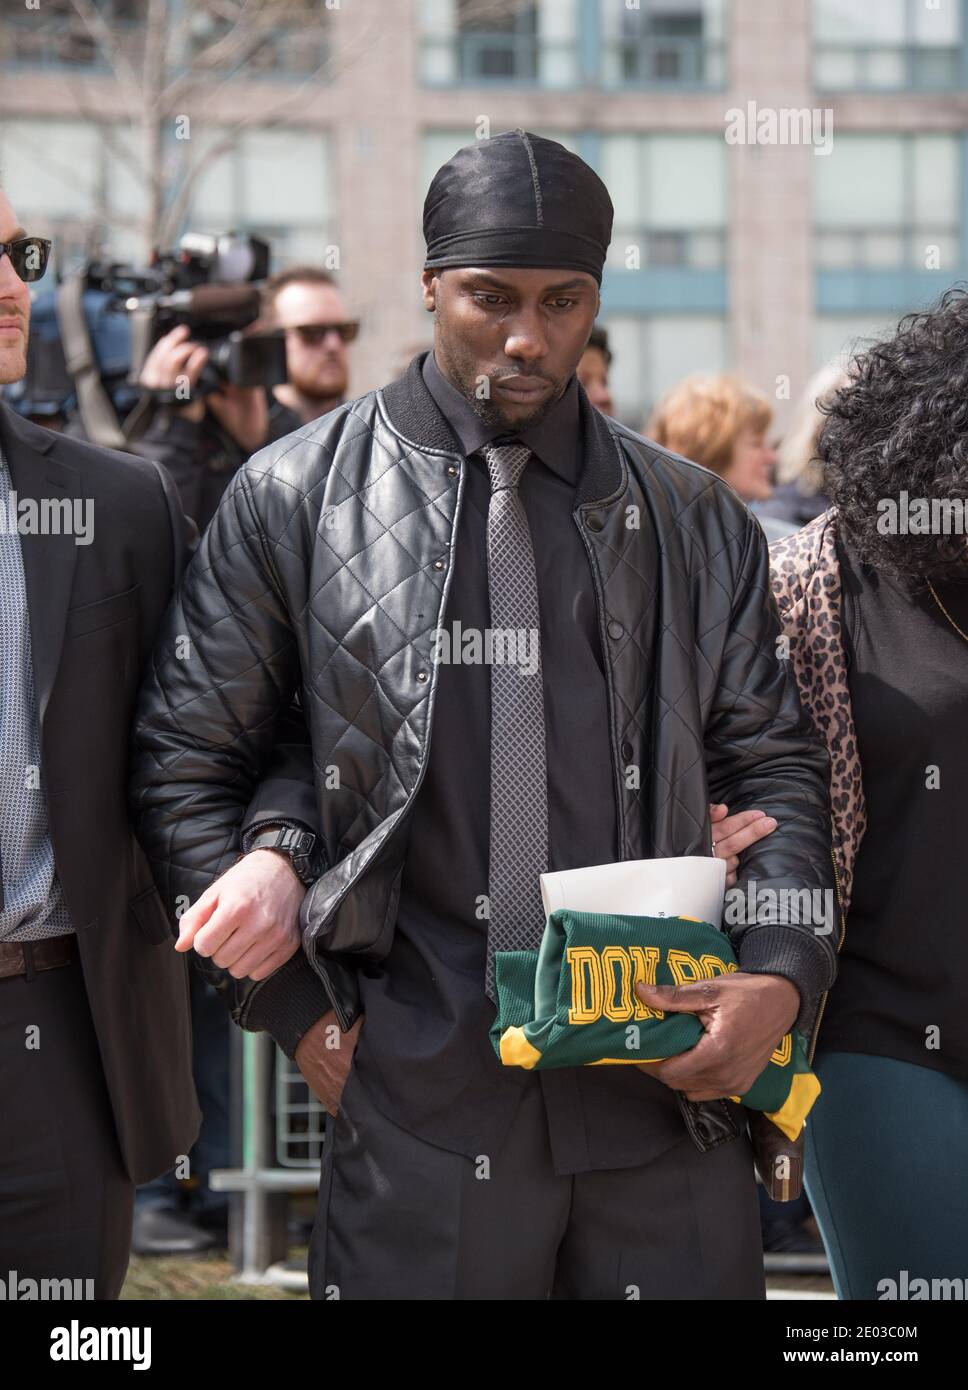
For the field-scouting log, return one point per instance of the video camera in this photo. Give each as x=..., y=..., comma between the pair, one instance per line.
x=211, y=284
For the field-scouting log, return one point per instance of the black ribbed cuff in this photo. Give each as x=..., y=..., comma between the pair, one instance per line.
x=797, y=956
x=288, y=1003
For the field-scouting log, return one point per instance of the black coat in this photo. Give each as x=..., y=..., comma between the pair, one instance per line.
x=94, y=613
x=325, y=571
x=201, y=455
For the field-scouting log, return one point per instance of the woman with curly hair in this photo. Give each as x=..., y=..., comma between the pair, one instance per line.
x=874, y=597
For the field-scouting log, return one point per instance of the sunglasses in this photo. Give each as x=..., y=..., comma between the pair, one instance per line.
x=28, y=256
x=313, y=334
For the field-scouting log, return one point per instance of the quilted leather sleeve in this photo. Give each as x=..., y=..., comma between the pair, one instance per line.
x=209, y=731
x=288, y=790
x=761, y=752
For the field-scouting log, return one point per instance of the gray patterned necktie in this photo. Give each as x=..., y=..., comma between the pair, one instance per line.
x=519, y=785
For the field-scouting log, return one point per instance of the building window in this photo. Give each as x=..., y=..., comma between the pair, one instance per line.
x=531, y=42
x=272, y=183
x=295, y=46
x=669, y=194
x=888, y=202
x=57, y=174
x=837, y=337
x=67, y=183
x=650, y=353
x=54, y=36
x=664, y=43
x=887, y=46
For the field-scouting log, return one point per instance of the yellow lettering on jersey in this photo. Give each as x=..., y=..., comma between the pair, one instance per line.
x=712, y=965
x=645, y=960
x=586, y=984
x=685, y=968
x=619, y=1008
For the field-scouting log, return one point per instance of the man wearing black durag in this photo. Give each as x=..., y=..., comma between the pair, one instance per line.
x=369, y=563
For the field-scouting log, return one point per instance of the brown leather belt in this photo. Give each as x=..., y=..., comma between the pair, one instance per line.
x=27, y=957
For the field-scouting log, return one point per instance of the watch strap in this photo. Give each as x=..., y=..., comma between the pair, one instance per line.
x=293, y=840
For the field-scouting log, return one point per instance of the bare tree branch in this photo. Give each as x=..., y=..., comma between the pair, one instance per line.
x=100, y=31
x=106, y=132
x=170, y=77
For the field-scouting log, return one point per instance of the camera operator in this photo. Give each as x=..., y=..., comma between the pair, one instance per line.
x=205, y=439
x=304, y=302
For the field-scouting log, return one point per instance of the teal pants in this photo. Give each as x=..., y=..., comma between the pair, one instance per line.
x=887, y=1174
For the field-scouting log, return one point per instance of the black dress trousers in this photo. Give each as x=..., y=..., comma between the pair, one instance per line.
x=400, y=1218
x=65, y=1198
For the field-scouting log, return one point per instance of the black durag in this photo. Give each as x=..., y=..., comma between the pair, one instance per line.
x=517, y=200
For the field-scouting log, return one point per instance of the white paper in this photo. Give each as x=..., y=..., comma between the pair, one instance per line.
x=689, y=886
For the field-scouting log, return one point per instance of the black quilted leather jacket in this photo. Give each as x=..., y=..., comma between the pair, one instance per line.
x=324, y=576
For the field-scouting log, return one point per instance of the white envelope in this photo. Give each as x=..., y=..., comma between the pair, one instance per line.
x=690, y=886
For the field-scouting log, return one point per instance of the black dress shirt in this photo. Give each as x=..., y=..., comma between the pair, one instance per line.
x=424, y=1054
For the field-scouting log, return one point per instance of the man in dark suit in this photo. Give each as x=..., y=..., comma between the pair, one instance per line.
x=96, y=1086
x=96, y=1092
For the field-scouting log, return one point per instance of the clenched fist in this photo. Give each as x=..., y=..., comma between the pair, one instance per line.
x=248, y=921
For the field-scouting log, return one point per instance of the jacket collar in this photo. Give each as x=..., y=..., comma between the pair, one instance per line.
x=414, y=414
x=17, y=433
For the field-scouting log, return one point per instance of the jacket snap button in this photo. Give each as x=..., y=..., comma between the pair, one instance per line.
x=626, y=749
x=438, y=564
x=594, y=522
x=421, y=675
x=451, y=470
x=615, y=629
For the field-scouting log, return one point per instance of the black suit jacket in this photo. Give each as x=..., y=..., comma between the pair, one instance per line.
x=94, y=614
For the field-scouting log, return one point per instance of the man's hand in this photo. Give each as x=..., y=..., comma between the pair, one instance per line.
x=243, y=411
x=173, y=359
x=744, y=1017
x=248, y=921
x=732, y=834
x=324, y=1056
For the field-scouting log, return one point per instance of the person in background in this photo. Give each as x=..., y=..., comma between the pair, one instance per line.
x=861, y=589
x=799, y=496
x=204, y=441
x=304, y=302
x=593, y=371
x=203, y=444
x=722, y=423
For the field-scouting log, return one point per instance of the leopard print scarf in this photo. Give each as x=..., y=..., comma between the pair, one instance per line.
x=806, y=582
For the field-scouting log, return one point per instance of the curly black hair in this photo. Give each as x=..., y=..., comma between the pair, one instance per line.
x=901, y=424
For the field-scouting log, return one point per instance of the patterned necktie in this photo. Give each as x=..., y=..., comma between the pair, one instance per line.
x=519, y=785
